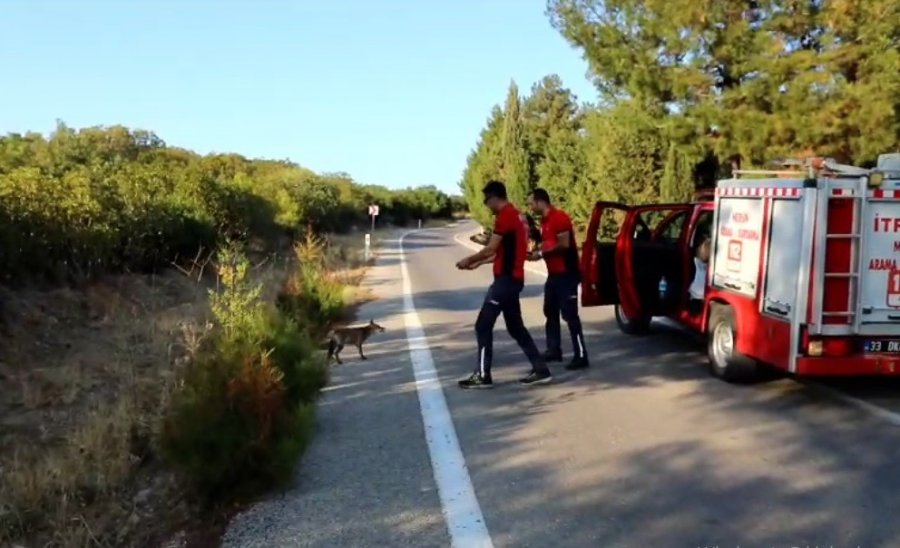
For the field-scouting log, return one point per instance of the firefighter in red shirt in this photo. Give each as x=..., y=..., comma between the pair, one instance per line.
x=507, y=249
x=559, y=251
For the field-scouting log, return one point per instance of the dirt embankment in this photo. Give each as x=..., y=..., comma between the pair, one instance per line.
x=85, y=374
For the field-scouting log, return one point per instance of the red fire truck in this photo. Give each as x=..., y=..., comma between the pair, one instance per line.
x=803, y=273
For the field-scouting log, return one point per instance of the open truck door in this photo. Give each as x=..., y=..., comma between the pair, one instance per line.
x=598, y=255
x=650, y=262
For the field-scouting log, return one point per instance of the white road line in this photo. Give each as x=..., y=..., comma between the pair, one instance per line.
x=887, y=415
x=891, y=417
x=462, y=513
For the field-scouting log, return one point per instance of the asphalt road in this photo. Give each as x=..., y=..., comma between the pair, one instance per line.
x=643, y=449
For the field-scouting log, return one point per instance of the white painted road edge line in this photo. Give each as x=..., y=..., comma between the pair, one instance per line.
x=892, y=417
x=462, y=513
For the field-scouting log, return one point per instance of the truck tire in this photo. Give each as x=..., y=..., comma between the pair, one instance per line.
x=725, y=362
x=629, y=326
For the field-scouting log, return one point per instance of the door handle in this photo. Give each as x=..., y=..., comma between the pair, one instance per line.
x=732, y=286
x=776, y=310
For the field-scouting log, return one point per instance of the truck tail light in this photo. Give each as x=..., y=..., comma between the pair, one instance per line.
x=834, y=348
x=815, y=348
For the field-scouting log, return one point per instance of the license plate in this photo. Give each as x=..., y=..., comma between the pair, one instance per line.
x=892, y=346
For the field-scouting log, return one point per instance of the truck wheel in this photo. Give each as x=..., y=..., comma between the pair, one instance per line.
x=725, y=362
x=629, y=326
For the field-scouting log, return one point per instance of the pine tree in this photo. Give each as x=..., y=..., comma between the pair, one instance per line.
x=624, y=150
x=760, y=79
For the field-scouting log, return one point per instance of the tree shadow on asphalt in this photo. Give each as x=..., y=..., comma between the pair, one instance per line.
x=817, y=482
x=675, y=492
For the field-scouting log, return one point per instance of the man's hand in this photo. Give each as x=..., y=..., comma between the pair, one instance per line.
x=484, y=256
x=476, y=264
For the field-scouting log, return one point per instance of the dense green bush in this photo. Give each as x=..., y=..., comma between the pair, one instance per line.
x=83, y=203
x=294, y=354
x=244, y=411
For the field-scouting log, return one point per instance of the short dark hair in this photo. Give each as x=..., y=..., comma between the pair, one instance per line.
x=539, y=194
x=494, y=189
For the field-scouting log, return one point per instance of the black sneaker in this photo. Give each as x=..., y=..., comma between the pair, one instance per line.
x=578, y=363
x=475, y=380
x=552, y=356
x=535, y=378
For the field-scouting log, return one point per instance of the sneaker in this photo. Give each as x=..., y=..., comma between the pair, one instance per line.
x=552, y=356
x=535, y=378
x=578, y=363
x=475, y=380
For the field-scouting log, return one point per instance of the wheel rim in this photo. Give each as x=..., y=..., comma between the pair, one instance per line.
x=620, y=313
x=723, y=343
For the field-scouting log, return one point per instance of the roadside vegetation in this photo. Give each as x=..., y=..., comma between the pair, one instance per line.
x=688, y=90
x=161, y=318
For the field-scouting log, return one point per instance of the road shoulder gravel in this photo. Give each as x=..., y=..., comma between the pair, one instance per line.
x=366, y=479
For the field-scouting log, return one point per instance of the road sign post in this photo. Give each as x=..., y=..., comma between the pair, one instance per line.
x=373, y=212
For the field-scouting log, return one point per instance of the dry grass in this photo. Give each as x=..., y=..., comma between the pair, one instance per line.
x=84, y=377
x=347, y=262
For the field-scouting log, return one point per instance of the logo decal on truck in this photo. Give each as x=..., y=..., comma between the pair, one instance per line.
x=893, y=288
x=735, y=250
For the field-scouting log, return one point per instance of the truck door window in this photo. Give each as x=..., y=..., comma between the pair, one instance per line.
x=610, y=225
x=671, y=231
x=660, y=225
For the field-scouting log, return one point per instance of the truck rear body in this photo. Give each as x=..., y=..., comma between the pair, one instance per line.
x=808, y=265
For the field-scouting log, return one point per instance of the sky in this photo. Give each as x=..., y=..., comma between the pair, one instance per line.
x=393, y=92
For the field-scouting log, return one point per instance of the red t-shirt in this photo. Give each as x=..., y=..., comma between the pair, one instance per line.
x=510, y=258
x=554, y=223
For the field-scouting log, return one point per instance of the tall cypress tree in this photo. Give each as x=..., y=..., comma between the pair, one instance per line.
x=484, y=163
x=677, y=183
x=516, y=170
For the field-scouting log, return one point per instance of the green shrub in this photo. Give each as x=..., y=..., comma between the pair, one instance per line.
x=230, y=426
x=244, y=411
x=311, y=297
x=305, y=372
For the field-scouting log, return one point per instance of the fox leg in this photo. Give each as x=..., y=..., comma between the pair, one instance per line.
x=359, y=347
x=337, y=353
x=331, y=347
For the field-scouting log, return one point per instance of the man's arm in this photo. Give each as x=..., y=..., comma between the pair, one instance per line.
x=476, y=264
x=485, y=254
x=562, y=244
